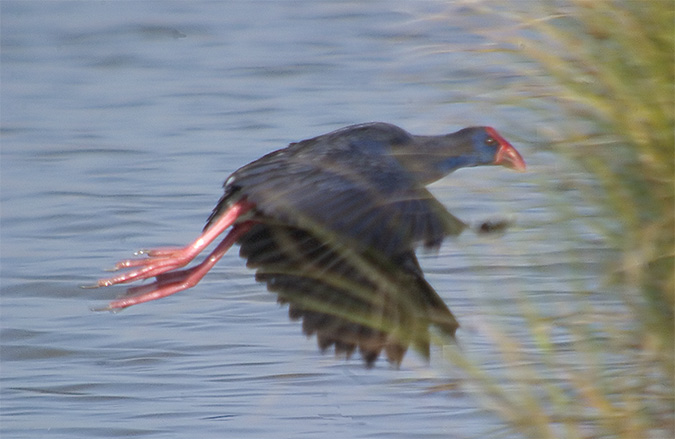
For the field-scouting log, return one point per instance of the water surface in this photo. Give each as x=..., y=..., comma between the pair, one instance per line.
x=121, y=120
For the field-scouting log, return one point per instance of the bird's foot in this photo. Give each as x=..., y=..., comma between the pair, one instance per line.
x=163, y=260
x=159, y=261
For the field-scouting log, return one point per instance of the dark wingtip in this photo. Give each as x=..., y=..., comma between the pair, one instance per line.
x=492, y=226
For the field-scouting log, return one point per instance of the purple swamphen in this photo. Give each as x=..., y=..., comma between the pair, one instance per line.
x=331, y=224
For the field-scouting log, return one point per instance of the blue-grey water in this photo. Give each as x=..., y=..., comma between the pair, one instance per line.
x=121, y=120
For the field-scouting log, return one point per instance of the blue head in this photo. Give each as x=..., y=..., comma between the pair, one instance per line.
x=430, y=158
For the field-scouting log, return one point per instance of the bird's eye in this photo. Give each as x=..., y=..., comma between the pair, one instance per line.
x=490, y=141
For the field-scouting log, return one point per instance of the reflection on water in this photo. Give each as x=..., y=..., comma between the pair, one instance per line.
x=119, y=125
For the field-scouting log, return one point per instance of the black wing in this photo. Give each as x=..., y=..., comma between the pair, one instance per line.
x=338, y=220
x=348, y=300
x=369, y=199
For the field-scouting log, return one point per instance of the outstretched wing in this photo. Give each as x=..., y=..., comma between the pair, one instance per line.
x=337, y=220
x=348, y=300
x=367, y=198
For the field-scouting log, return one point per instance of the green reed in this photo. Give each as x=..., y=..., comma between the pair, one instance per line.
x=605, y=66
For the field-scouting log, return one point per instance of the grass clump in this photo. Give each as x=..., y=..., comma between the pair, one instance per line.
x=606, y=68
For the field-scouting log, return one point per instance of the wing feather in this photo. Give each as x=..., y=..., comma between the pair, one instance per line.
x=373, y=202
x=348, y=301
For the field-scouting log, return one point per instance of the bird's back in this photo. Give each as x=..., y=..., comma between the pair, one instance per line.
x=348, y=183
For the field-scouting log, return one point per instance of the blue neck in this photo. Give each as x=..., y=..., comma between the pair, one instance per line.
x=453, y=163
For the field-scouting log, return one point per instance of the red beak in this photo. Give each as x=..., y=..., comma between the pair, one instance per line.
x=506, y=154
x=509, y=157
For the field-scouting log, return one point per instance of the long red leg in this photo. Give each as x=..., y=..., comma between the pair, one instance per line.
x=164, y=260
x=175, y=281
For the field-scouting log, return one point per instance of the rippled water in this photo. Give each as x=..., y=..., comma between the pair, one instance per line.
x=120, y=121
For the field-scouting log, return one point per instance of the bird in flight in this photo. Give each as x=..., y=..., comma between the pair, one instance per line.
x=331, y=225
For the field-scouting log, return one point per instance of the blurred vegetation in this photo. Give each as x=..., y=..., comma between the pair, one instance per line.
x=613, y=63
x=608, y=66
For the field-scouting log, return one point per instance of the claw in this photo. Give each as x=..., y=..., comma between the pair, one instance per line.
x=163, y=263
x=128, y=263
x=163, y=260
x=155, y=252
x=171, y=282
